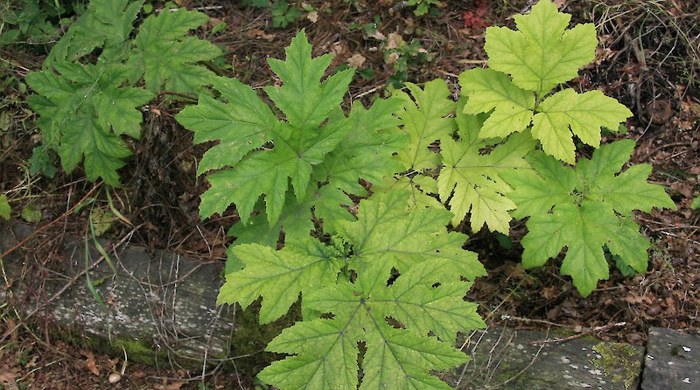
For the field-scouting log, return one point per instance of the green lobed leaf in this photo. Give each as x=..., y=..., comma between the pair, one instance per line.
x=242, y=124
x=168, y=57
x=567, y=112
x=368, y=157
x=277, y=276
x=426, y=298
x=585, y=210
x=471, y=179
x=84, y=109
x=5, y=209
x=425, y=120
x=407, y=244
x=318, y=150
x=542, y=53
x=490, y=90
x=524, y=66
x=304, y=101
x=106, y=24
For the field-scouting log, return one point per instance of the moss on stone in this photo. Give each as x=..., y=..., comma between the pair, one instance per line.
x=618, y=360
x=250, y=338
x=137, y=351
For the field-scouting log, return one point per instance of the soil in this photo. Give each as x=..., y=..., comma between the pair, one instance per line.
x=648, y=58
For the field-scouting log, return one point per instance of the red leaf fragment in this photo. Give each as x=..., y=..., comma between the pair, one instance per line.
x=475, y=19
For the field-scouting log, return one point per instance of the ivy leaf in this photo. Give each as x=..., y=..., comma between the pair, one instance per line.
x=84, y=109
x=474, y=177
x=542, y=53
x=168, y=57
x=384, y=238
x=586, y=210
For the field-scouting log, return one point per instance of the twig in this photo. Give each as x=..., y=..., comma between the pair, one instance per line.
x=583, y=333
x=44, y=227
x=68, y=285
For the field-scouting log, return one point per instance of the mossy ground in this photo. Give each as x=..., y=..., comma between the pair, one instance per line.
x=620, y=361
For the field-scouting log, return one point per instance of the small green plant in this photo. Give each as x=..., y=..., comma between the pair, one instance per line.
x=422, y=7
x=29, y=21
x=86, y=103
x=492, y=168
x=284, y=14
x=5, y=208
x=585, y=209
x=403, y=57
x=381, y=283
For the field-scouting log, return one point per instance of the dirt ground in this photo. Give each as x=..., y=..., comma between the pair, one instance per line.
x=648, y=58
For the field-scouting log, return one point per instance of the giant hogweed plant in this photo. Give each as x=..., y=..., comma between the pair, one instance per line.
x=383, y=286
x=382, y=282
x=501, y=154
x=97, y=77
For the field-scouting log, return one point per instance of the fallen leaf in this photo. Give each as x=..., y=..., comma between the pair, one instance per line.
x=392, y=58
x=90, y=363
x=171, y=386
x=356, y=61
x=258, y=33
x=475, y=19
x=138, y=374
x=7, y=378
x=312, y=16
x=394, y=41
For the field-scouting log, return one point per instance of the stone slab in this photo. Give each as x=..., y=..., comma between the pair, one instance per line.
x=672, y=360
x=163, y=301
x=511, y=359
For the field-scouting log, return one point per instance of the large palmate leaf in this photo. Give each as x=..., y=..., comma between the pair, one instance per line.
x=471, y=179
x=241, y=123
x=105, y=24
x=524, y=67
x=168, y=57
x=425, y=119
x=317, y=149
x=542, y=53
x=83, y=110
x=586, y=210
x=356, y=287
x=298, y=143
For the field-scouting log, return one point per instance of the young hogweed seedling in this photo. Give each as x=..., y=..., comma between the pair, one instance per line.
x=587, y=210
x=88, y=94
x=382, y=290
x=316, y=148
